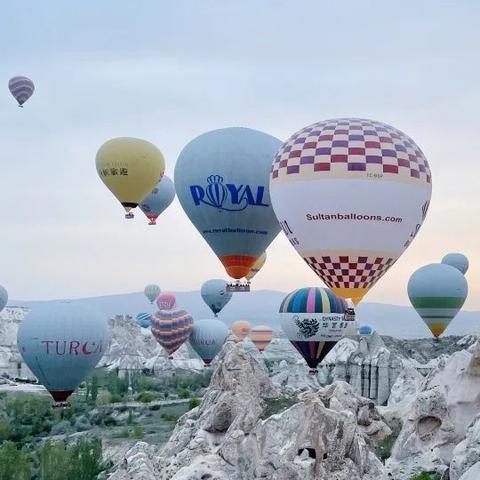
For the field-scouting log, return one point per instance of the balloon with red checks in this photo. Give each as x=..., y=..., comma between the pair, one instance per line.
x=351, y=195
x=313, y=319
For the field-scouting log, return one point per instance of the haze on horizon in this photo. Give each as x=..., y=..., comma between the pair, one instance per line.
x=169, y=71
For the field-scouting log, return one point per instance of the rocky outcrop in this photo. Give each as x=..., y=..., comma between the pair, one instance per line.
x=440, y=417
x=245, y=429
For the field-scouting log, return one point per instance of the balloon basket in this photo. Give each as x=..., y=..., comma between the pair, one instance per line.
x=152, y=222
x=60, y=405
x=238, y=287
x=313, y=371
x=170, y=357
x=129, y=215
x=20, y=106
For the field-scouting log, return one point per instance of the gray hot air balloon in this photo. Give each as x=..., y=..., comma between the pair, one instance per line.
x=3, y=298
x=207, y=338
x=152, y=291
x=437, y=293
x=221, y=179
x=457, y=260
x=21, y=88
x=61, y=343
x=215, y=295
x=158, y=199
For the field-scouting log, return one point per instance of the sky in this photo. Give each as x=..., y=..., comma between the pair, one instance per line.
x=169, y=70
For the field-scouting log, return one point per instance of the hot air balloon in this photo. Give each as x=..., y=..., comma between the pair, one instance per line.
x=3, y=298
x=21, y=88
x=257, y=266
x=437, y=292
x=166, y=301
x=241, y=328
x=215, y=295
x=261, y=336
x=221, y=179
x=152, y=291
x=144, y=319
x=158, y=199
x=457, y=260
x=130, y=168
x=62, y=343
x=350, y=195
x=313, y=319
x=365, y=331
x=207, y=338
x=171, y=328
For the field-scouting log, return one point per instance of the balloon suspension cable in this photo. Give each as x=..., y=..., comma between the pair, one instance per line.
x=129, y=215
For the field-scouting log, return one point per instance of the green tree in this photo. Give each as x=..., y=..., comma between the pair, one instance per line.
x=14, y=464
x=183, y=393
x=94, y=389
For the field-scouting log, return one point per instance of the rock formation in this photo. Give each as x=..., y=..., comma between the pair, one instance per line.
x=243, y=429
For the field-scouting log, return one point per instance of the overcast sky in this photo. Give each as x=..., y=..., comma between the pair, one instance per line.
x=167, y=71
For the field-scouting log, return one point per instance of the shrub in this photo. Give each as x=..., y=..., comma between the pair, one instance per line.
x=193, y=402
x=183, y=393
x=426, y=476
x=146, y=397
x=14, y=464
x=138, y=431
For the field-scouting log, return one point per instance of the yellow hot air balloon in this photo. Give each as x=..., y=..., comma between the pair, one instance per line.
x=257, y=266
x=241, y=328
x=261, y=336
x=130, y=168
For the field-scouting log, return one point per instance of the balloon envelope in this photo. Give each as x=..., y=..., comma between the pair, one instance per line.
x=130, y=168
x=221, y=179
x=171, y=328
x=215, y=295
x=351, y=195
x=152, y=291
x=158, y=199
x=457, y=260
x=21, y=88
x=261, y=336
x=166, y=301
x=3, y=298
x=144, y=319
x=241, y=328
x=437, y=292
x=313, y=319
x=207, y=338
x=62, y=343
x=257, y=266
x=365, y=331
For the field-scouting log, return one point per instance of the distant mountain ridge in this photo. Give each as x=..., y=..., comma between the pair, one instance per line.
x=261, y=306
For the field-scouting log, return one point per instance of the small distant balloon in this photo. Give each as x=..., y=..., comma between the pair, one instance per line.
x=437, y=292
x=144, y=319
x=158, y=199
x=171, y=328
x=241, y=328
x=215, y=295
x=261, y=336
x=457, y=260
x=21, y=88
x=3, y=298
x=152, y=291
x=62, y=343
x=207, y=338
x=257, y=266
x=166, y=301
x=365, y=331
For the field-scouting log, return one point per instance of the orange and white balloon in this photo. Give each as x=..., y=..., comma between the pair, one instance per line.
x=261, y=336
x=241, y=328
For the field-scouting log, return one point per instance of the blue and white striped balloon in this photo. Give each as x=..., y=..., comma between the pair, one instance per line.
x=21, y=88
